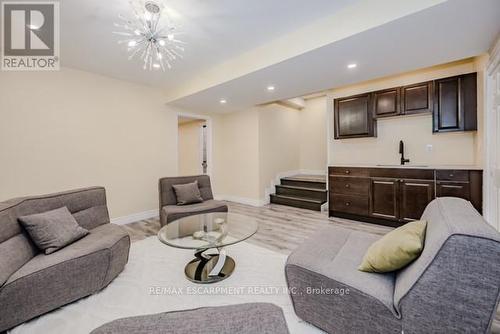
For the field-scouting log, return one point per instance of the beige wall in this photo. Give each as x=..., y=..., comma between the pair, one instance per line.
x=236, y=154
x=279, y=143
x=459, y=148
x=190, y=147
x=251, y=148
x=70, y=129
x=313, y=139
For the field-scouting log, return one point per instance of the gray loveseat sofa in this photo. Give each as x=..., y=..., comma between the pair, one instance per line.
x=170, y=211
x=32, y=283
x=453, y=287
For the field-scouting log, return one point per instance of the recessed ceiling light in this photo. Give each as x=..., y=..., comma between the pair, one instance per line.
x=223, y=101
x=353, y=65
x=270, y=88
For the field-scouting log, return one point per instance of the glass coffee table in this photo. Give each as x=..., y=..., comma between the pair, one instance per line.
x=211, y=231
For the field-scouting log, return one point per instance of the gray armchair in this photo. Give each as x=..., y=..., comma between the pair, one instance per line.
x=32, y=283
x=170, y=211
x=453, y=287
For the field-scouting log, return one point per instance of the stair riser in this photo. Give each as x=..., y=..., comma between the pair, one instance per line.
x=296, y=203
x=304, y=184
x=321, y=196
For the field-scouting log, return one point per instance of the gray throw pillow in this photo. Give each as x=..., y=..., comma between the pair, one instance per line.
x=187, y=193
x=53, y=230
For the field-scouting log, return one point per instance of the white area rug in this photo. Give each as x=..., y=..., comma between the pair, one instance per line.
x=258, y=275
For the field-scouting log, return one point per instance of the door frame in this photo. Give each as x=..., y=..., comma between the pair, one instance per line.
x=208, y=121
x=491, y=140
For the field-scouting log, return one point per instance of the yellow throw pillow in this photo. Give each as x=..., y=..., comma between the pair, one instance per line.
x=396, y=249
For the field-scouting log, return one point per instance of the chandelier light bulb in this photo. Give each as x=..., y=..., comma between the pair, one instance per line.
x=148, y=32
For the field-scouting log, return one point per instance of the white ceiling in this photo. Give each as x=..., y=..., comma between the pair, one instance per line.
x=215, y=31
x=453, y=30
x=274, y=41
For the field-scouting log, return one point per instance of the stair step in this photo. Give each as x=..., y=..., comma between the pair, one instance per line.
x=307, y=177
x=301, y=188
x=293, y=182
x=298, y=202
x=302, y=192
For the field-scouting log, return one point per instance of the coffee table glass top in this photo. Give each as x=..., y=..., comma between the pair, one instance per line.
x=210, y=230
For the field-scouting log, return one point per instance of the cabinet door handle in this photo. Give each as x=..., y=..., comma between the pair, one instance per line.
x=347, y=203
x=452, y=175
x=347, y=185
x=348, y=171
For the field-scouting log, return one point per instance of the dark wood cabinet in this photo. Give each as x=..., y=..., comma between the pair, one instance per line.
x=384, y=198
x=417, y=98
x=455, y=104
x=394, y=196
x=414, y=197
x=386, y=103
x=452, y=102
x=460, y=183
x=453, y=189
x=353, y=117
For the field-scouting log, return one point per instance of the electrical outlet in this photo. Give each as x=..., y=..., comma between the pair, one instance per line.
x=429, y=148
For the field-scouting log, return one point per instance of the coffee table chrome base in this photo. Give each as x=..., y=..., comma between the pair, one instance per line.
x=198, y=270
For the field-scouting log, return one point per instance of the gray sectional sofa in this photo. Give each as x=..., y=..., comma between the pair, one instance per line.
x=32, y=283
x=170, y=211
x=453, y=287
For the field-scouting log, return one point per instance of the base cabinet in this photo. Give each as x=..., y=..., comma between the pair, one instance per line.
x=395, y=196
x=453, y=189
x=414, y=197
x=384, y=198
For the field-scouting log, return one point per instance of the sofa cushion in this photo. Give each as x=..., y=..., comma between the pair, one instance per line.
x=15, y=252
x=50, y=281
x=331, y=293
x=174, y=212
x=396, y=249
x=336, y=252
x=52, y=230
x=187, y=193
x=167, y=193
x=251, y=318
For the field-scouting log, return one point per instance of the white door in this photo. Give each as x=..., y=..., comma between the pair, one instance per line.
x=492, y=141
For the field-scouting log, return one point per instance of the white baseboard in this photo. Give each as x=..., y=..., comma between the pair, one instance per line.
x=135, y=217
x=241, y=200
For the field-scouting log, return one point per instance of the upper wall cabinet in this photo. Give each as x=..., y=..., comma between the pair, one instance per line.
x=455, y=104
x=386, y=103
x=416, y=99
x=452, y=102
x=353, y=117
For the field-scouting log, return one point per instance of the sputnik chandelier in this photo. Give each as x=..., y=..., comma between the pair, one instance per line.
x=150, y=35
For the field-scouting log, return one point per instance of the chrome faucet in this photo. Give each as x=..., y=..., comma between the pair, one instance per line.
x=402, y=152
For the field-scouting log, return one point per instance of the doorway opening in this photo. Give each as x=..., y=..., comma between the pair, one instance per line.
x=194, y=144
